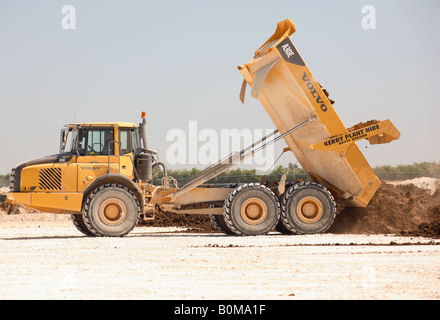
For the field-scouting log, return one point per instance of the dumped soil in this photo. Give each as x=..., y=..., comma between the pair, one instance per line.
x=193, y=223
x=395, y=209
x=19, y=209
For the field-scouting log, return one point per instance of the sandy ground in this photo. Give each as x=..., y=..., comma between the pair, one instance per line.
x=48, y=258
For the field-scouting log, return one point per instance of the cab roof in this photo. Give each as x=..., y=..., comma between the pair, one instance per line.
x=102, y=124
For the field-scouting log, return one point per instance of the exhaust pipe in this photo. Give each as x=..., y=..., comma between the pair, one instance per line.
x=143, y=130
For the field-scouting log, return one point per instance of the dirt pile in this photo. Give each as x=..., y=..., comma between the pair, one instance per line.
x=4, y=208
x=395, y=209
x=16, y=209
x=4, y=190
x=193, y=223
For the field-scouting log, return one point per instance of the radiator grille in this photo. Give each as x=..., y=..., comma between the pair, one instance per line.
x=50, y=179
x=12, y=180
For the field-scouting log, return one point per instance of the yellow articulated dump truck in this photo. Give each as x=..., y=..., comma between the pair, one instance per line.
x=103, y=172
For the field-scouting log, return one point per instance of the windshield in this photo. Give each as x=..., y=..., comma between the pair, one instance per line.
x=71, y=141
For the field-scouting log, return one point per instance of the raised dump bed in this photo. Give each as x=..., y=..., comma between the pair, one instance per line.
x=325, y=148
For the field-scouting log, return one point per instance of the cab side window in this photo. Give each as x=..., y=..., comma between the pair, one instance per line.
x=100, y=142
x=125, y=136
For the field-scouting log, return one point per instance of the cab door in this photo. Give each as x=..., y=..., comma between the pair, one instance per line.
x=98, y=155
x=127, y=147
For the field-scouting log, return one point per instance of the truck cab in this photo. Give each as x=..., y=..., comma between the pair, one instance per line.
x=87, y=152
x=98, y=148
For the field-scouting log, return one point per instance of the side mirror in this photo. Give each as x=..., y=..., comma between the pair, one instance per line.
x=63, y=138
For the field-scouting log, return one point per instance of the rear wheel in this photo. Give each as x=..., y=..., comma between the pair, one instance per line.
x=281, y=228
x=251, y=209
x=307, y=208
x=111, y=210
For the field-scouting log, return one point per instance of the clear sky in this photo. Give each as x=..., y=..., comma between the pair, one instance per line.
x=177, y=61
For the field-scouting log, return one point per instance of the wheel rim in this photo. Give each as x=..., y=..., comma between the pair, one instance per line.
x=253, y=211
x=309, y=209
x=112, y=211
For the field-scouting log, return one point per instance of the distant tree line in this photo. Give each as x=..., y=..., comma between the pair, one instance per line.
x=411, y=171
x=400, y=172
x=235, y=175
x=4, y=180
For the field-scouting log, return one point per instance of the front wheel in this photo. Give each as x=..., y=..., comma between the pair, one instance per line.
x=78, y=222
x=111, y=210
x=307, y=208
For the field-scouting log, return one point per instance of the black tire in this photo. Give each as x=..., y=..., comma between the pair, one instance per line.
x=111, y=210
x=218, y=221
x=307, y=208
x=78, y=222
x=251, y=209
